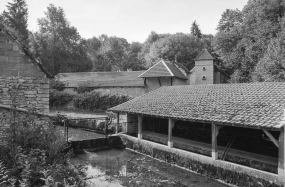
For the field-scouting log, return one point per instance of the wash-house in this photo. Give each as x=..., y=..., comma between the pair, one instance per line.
x=235, y=126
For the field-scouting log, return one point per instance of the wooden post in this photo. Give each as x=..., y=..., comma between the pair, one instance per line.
x=170, y=126
x=281, y=154
x=106, y=127
x=118, y=123
x=215, y=133
x=140, y=126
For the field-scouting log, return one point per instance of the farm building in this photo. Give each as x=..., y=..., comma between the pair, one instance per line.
x=236, y=126
x=24, y=82
x=136, y=83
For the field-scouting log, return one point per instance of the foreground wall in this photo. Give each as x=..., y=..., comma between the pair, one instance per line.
x=9, y=116
x=217, y=169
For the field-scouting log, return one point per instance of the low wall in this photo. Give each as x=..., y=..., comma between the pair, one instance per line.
x=240, y=157
x=217, y=169
x=7, y=116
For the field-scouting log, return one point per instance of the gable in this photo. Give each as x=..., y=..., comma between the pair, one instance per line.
x=163, y=69
x=15, y=59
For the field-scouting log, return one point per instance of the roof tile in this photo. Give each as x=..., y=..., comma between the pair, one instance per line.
x=256, y=104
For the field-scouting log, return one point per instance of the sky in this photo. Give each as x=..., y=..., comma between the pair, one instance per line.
x=134, y=19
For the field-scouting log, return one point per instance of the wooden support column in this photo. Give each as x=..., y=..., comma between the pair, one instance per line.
x=118, y=122
x=170, y=126
x=140, y=118
x=215, y=132
x=281, y=155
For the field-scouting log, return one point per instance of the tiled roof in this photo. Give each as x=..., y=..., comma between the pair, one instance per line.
x=102, y=79
x=163, y=69
x=7, y=31
x=204, y=55
x=257, y=105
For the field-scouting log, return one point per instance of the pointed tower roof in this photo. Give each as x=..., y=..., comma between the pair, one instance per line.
x=204, y=55
x=163, y=69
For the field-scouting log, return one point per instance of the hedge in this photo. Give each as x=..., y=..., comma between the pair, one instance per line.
x=97, y=101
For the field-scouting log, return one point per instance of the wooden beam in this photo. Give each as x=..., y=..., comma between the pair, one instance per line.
x=171, y=81
x=170, y=126
x=140, y=118
x=118, y=123
x=281, y=154
x=159, y=81
x=215, y=133
x=271, y=137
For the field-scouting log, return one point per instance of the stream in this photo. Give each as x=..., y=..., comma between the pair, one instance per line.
x=125, y=168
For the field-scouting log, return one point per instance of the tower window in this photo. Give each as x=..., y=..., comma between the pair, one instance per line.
x=204, y=78
x=204, y=69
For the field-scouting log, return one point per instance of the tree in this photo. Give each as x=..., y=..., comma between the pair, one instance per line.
x=271, y=68
x=230, y=18
x=181, y=46
x=17, y=18
x=243, y=37
x=58, y=45
x=195, y=30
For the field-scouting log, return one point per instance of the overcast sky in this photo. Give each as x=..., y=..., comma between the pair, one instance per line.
x=134, y=19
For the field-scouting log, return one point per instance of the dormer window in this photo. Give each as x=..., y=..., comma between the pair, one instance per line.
x=204, y=69
x=204, y=78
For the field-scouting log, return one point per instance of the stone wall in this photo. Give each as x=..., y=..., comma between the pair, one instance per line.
x=25, y=92
x=22, y=82
x=8, y=116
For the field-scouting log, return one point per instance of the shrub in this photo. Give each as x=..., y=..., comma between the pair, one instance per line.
x=35, y=148
x=59, y=99
x=84, y=87
x=97, y=101
x=57, y=84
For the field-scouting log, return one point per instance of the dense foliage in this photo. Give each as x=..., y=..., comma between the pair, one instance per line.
x=16, y=17
x=58, y=45
x=59, y=99
x=98, y=101
x=36, y=155
x=248, y=45
x=249, y=41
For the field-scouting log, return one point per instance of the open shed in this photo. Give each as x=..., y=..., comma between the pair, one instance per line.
x=240, y=123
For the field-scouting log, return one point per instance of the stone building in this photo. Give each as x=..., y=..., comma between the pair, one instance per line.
x=136, y=83
x=24, y=82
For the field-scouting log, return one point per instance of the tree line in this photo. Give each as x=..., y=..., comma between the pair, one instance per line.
x=249, y=44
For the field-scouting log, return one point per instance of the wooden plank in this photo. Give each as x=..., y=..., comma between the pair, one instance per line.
x=214, y=141
x=271, y=137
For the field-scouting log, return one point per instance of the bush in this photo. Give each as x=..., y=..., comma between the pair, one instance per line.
x=57, y=84
x=59, y=99
x=84, y=87
x=97, y=101
x=36, y=155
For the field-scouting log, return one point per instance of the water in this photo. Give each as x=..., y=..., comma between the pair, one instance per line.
x=124, y=168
